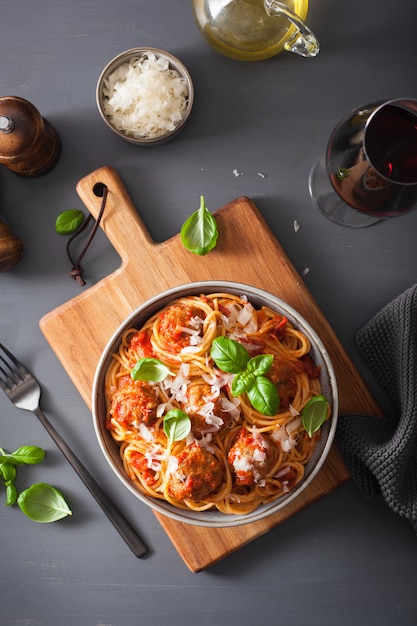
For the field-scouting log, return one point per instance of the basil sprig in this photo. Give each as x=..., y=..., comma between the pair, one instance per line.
x=199, y=232
x=40, y=502
x=28, y=455
x=314, y=414
x=231, y=357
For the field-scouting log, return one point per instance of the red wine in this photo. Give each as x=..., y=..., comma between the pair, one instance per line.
x=373, y=167
x=391, y=144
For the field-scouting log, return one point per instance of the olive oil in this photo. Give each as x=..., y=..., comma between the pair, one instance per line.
x=243, y=30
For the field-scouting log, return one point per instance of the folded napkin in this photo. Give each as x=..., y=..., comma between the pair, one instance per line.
x=381, y=453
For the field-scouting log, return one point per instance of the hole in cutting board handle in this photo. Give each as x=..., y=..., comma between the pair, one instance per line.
x=98, y=189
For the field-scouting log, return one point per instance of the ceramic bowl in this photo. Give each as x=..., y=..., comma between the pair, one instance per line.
x=258, y=297
x=147, y=99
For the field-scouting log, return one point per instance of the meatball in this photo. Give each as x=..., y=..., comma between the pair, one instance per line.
x=204, y=411
x=141, y=344
x=251, y=457
x=283, y=374
x=134, y=402
x=177, y=325
x=312, y=370
x=198, y=474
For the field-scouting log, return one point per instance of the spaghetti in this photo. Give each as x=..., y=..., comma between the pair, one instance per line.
x=234, y=457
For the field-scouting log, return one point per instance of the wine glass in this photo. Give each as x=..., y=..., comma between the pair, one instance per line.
x=369, y=171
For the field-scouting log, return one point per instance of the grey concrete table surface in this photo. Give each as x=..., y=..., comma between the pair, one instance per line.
x=343, y=560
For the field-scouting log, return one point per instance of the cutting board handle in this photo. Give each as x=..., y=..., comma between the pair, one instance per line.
x=120, y=221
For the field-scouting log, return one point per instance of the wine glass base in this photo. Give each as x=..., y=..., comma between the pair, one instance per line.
x=330, y=204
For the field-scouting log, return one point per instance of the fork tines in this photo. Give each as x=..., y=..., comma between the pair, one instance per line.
x=10, y=376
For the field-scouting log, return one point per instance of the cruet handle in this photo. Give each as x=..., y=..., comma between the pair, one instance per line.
x=304, y=42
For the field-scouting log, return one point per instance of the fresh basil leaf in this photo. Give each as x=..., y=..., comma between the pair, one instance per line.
x=263, y=396
x=11, y=494
x=43, y=503
x=241, y=382
x=259, y=365
x=69, y=221
x=229, y=355
x=314, y=414
x=8, y=471
x=28, y=455
x=177, y=425
x=199, y=232
x=150, y=369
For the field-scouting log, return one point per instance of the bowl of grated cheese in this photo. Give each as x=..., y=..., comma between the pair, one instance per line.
x=145, y=96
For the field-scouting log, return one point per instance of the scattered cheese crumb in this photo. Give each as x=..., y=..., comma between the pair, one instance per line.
x=296, y=226
x=305, y=271
x=237, y=173
x=261, y=175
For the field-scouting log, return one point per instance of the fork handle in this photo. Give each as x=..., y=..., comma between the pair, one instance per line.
x=130, y=536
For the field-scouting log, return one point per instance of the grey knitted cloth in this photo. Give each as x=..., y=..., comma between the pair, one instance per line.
x=381, y=453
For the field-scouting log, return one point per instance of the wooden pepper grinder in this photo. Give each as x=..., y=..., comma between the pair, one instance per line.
x=29, y=145
x=11, y=248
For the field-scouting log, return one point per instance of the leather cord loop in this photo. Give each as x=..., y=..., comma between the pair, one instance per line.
x=76, y=273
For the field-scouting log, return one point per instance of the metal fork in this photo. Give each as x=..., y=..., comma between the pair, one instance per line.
x=24, y=391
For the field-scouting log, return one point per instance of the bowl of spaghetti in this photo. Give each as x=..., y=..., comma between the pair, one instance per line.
x=215, y=403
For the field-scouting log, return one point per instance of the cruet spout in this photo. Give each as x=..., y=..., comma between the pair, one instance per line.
x=303, y=42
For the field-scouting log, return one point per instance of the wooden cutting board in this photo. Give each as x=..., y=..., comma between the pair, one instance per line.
x=246, y=252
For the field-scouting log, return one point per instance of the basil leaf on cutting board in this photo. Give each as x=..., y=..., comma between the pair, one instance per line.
x=199, y=232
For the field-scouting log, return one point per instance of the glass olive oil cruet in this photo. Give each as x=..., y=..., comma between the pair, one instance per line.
x=251, y=30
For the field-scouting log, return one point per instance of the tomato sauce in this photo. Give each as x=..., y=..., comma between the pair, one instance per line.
x=141, y=344
x=140, y=463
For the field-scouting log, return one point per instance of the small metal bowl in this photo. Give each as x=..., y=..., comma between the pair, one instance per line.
x=129, y=56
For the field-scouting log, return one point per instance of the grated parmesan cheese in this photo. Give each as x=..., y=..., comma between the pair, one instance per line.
x=145, y=98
